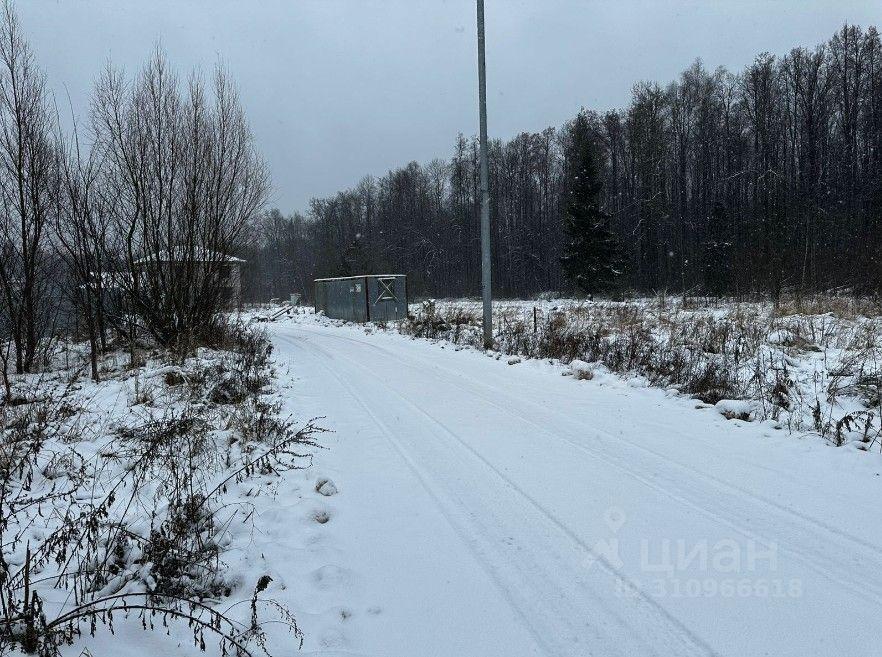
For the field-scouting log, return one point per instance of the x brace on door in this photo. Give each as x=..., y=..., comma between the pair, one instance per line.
x=387, y=289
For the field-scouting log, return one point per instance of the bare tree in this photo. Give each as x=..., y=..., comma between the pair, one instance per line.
x=28, y=193
x=83, y=239
x=181, y=162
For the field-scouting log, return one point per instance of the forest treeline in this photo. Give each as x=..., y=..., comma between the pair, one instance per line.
x=759, y=182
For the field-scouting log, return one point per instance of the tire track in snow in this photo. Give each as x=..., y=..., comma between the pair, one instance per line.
x=858, y=581
x=615, y=441
x=651, y=630
x=387, y=433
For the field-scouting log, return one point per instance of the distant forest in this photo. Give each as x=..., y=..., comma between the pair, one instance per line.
x=761, y=182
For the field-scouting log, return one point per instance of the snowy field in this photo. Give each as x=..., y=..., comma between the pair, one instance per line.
x=490, y=504
x=811, y=367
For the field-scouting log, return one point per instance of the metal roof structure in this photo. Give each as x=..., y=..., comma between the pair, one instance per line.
x=346, y=278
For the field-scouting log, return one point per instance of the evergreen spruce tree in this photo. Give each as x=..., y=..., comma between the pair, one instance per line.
x=591, y=257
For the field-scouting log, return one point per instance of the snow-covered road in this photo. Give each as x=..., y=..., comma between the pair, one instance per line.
x=495, y=509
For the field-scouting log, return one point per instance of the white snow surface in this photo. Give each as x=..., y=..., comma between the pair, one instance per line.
x=481, y=509
x=484, y=509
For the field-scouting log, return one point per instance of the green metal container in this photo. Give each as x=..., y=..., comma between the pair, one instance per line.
x=368, y=298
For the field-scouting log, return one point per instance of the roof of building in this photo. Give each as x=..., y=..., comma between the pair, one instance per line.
x=346, y=278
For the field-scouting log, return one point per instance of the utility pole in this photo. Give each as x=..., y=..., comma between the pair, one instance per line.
x=486, y=294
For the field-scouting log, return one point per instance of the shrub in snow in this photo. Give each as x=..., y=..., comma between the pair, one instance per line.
x=813, y=366
x=183, y=552
x=139, y=527
x=786, y=338
x=236, y=375
x=514, y=360
x=229, y=388
x=428, y=322
x=173, y=377
x=257, y=421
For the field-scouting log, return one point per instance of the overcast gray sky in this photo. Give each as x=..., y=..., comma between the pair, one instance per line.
x=336, y=89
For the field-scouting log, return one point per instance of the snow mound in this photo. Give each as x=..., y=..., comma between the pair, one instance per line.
x=581, y=370
x=735, y=409
x=782, y=337
x=514, y=360
x=326, y=487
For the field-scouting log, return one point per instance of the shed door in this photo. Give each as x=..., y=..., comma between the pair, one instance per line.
x=386, y=290
x=387, y=298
